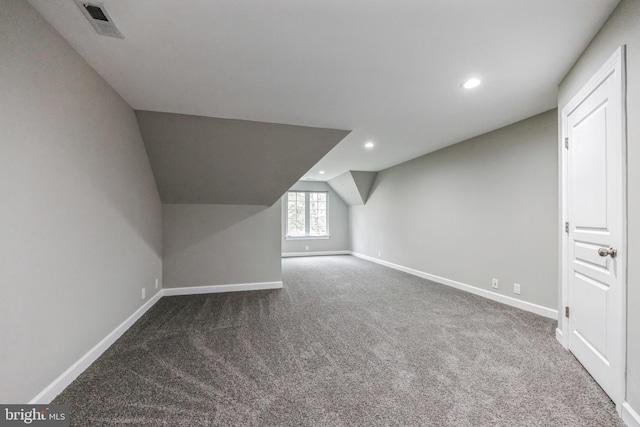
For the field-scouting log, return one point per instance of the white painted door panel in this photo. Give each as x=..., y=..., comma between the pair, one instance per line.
x=594, y=207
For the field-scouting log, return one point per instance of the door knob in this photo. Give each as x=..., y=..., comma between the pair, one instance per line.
x=604, y=252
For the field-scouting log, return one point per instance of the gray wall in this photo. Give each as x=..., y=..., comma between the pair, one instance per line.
x=207, y=160
x=623, y=27
x=345, y=186
x=220, y=244
x=81, y=216
x=353, y=186
x=481, y=209
x=338, y=223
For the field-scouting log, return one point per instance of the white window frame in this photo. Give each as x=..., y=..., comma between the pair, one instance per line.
x=307, y=215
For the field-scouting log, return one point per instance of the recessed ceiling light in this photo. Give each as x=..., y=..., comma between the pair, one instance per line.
x=321, y=172
x=471, y=83
x=369, y=144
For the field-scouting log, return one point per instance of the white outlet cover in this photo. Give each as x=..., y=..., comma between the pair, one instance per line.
x=516, y=288
x=494, y=283
x=144, y=292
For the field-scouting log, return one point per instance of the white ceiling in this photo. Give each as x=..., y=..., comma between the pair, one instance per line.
x=388, y=70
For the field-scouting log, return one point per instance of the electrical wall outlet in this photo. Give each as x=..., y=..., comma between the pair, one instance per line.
x=516, y=288
x=306, y=248
x=494, y=283
x=144, y=293
x=379, y=254
x=157, y=280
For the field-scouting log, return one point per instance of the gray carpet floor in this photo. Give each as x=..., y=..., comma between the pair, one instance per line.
x=345, y=343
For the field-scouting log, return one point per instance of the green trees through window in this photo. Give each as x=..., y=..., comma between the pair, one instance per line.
x=307, y=214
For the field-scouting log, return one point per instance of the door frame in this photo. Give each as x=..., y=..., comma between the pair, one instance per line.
x=616, y=63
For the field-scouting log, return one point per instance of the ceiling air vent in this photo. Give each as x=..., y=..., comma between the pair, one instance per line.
x=100, y=19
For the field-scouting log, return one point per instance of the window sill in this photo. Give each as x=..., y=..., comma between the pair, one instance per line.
x=307, y=237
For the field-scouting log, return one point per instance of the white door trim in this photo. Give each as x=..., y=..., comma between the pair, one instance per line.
x=616, y=63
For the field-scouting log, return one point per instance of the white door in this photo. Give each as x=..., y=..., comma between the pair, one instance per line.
x=593, y=131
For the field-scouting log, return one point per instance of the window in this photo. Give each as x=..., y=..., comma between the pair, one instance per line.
x=307, y=214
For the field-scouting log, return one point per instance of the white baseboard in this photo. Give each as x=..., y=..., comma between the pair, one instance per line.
x=212, y=289
x=559, y=336
x=523, y=305
x=629, y=416
x=295, y=254
x=67, y=377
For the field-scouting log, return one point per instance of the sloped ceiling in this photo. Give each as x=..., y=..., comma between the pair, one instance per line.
x=388, y=70
x=364, y=183
x=354, y=186
x=222, y=161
